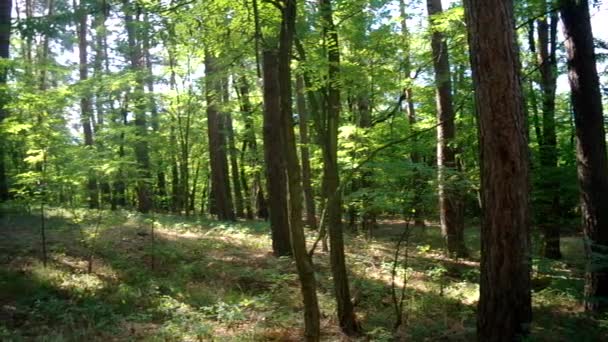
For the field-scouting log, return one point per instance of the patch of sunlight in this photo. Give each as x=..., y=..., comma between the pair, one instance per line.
x=77, y=283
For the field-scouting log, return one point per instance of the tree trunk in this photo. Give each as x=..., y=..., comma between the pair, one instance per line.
x=451, y=209
x=5, y=34
x=418, y=182
x=85, y=103
x=144, y=198
x=504, y=310
x=591, y=157
x=276, y=178
x=346, y=314
x=304, y=265
x=221, y=196
x=309, y=200
x=550, y=211
x=233, y=153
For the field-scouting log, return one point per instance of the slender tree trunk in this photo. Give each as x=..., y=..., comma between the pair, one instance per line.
x=233, y=154
x=547, y=41
x=85, y=103
x=309, y=200
x=144, y=198
x=274, y=147
x=591, y=157
x=304, y=265
x=220, y=183
x=346, y=313
x=451, y=208
x=504, y=310
x=418, y=182
x=5, y=34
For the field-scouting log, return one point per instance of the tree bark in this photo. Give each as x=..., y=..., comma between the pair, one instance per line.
x=346, y=314
x=274, y=141
x=451, y=208
x=220, y=183
x=233, y=153
x=504, y=310
x=592, y=163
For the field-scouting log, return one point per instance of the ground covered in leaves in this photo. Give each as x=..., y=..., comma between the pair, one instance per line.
x=169, y=278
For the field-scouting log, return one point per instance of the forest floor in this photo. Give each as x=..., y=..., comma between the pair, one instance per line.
x=199, y=280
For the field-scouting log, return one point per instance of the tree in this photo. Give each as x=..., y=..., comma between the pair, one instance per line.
x=450, y=204
x=86, y=108
x=592, y=163
x=5, y=35
x=221, y=196
x=346, y=314
x=504, y=310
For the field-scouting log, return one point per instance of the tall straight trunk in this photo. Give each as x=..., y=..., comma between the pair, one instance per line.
x=346, y=313
x=274, y=146
x=591, y=157
x=418, y=182
x=451, y=208
x=248, y=142
x=221, y=196
x=309, y=200
x=233, y=154
x=86, y=108
x=504, y=310
x=144, y=196
x=304, y=265
x=5, y=34
x=550, y=211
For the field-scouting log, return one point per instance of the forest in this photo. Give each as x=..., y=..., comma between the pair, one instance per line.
x=319, y=170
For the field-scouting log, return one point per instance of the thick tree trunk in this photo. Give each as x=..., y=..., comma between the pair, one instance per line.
x=309, y=199
x=221, y=195
x=346, y=313
x=550, y=211
x=274, y=155
x=5, y=34
x=451, y=209
x=504, y=310
x=591, y=157
x=86, y=109
x=144, y=197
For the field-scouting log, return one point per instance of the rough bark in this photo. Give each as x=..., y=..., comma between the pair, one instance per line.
x=274, y=141
x=5, y=33
x=451, y=209
x=504, y=310
x=221, y=195
x=592, y=163
x=346, y=314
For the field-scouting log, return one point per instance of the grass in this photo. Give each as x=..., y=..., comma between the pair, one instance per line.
x=200, y=280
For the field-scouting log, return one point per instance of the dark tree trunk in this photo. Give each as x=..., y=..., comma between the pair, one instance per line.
x=233, y=153
x=221, y=196
x=304, y=265
x=591, y=157
x=451, y=209
x=248, y=142
x=274, y=141
x=144, y=197
x=550, y=211
x=346, y=313
x=309, y=200
x=504, y=310
x=85, y=103
x=5, y=33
